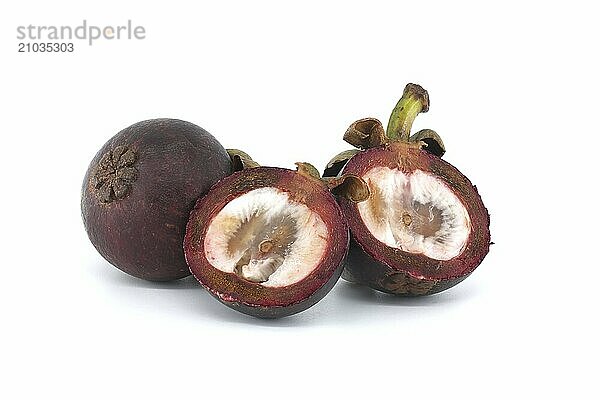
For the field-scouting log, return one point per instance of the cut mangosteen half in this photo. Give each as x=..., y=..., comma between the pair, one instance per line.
x=424, y=227
x=269, y=242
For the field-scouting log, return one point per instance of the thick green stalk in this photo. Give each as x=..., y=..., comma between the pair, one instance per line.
x=414, y=100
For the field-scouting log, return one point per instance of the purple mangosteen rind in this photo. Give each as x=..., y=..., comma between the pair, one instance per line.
x=273, y=312
x=139, y=189
x=253, y=298
x=384, y=278
x=392, y=270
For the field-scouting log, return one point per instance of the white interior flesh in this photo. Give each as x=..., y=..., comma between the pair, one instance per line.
x=415, y=212
x=265, y=237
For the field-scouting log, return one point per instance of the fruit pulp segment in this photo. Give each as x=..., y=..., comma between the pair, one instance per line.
x=415, y=212
x=264, y=237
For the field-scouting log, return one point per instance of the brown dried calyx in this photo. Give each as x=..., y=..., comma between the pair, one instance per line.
x=367, y=133
x=115, y=174
x=241, y=160
x=348, y=185
x=404, y=284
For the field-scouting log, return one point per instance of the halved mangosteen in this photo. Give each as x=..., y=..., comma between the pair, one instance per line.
x=424, y=227
x=270, y=242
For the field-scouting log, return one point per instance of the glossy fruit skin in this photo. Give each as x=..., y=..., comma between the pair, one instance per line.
x=385, y=278
x=167, y=164
x=252, y=298
x=394, y=271
x=274, y=312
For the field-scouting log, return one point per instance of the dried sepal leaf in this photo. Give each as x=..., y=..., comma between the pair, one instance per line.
x=349, y=186
x=433, y=141
x=404, y=284
x=366, y=133
x=337, y=163
x=241, y=160
x=238, y=152
x=307, y=169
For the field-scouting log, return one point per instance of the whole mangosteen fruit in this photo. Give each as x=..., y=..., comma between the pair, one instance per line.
x=138, y=192
x=270, y=242
x=424, y=227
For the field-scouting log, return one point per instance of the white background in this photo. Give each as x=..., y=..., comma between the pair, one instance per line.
x=513, y=92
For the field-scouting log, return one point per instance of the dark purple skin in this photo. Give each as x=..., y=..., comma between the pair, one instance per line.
x=394, y=271
x=138, y=192
x=249, y=297
x=283, y=311
x=380, y=276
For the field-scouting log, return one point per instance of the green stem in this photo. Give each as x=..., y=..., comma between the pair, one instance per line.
x=414, y=100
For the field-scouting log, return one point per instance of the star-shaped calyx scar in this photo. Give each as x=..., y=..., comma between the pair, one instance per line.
x=115, y=174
